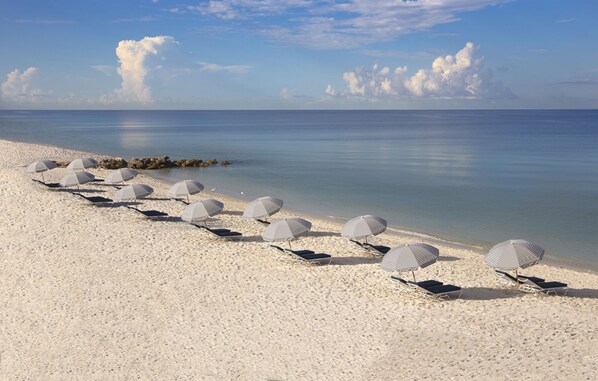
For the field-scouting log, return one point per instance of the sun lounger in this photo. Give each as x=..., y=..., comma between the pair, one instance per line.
x=428, y=288
x=540, y=285
x=304, y=255
x=222, y=233
x=152, y=214
x=49, y=185
x=530, y=283
x=377, y=250
x=96, y=200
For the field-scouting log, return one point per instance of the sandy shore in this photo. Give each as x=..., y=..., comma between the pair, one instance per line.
x=90, y=293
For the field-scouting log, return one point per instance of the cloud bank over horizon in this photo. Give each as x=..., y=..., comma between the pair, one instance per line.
x=18, y=87
x=461, y=76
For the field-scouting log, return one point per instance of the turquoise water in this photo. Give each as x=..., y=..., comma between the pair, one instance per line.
x=471, y=176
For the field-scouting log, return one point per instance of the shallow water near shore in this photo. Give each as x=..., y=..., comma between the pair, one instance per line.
x=476, y=177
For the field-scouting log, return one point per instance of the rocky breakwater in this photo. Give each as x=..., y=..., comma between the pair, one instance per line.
x=157, y=163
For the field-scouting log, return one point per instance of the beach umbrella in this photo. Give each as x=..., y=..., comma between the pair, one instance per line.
x=76, y=178
x=363, y=227
x=262, y=207
x=186, y=188
x=410, y=257
x=82, y=163
x=202, y=210
x=120, y=175
x=133, y=192
x=514, y=254
x=41, y=166
x=286, y=229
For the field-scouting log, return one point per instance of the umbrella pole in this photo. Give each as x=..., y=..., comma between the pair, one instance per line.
x=517, y=276
x=290, y=248
x=43, y=180
x=187, y=199
x=413, y=273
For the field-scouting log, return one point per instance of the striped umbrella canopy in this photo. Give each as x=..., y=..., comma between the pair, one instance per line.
x=363, y=227
x=120, y=175
x=76, y=178
x=186, y=188
x=133, y=192
x=82, y=163
x=514, y=254
x=286, y=229
x=41, y=166
x=262, y=207
x=202, y=210
x=410, y=257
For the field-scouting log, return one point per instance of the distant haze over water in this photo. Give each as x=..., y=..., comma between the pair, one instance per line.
x=472, y=176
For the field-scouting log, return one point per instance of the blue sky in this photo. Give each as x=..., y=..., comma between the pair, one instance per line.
x=298, y=54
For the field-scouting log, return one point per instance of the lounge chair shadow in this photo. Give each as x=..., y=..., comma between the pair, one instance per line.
x=232, y=213
x=485, y=293
x=121, y=203
x=448, y=258
x=585, y=293
x=352, y=261
x=323, y=234
x=160, y=199
x=86, y=190
x=253, y=238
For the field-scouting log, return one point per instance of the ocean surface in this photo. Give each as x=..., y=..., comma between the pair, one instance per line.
x=477, y=177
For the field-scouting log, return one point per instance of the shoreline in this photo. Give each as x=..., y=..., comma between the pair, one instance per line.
x=102, y=293
x=559, y=262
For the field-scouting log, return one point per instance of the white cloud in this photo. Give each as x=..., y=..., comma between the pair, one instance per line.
x=330, y=90
x=132, y=56
x=285, y=93
x=18, y=86
x=458, y=76
x=236, y=69
x=348, y=24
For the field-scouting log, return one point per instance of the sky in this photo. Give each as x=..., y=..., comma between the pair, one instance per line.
x=298, y=54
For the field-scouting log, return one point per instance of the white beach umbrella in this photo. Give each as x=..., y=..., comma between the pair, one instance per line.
x=363, y=227
x=262, y=207
x=41, y=166
x=120, y=175
x=514, y=254
x=76, y=178
x=286, y=229
x=133, y=192
x=82, y=163
x=185, y=188
x=410, y=257
x=202, y=210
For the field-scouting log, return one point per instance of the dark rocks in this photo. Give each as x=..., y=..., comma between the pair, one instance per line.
x=151, y=163
x=191, y=163
x=225, y=162
x=113, y=163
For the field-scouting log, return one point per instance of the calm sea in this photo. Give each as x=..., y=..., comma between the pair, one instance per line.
x=471, y=176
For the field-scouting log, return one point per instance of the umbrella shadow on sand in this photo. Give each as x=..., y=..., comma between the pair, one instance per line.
x=86, y=190
x=448, y=258
x=232, y=213
x=486, y=293
x=322, y=234
x=352, y=261
x=584, y=293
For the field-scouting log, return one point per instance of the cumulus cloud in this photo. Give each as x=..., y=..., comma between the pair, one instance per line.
x=343, y=24
x=133, y=70
x=458, y=76
x=236, y=69
x=18, y=86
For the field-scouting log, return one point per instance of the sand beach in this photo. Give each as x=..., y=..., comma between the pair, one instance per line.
x=90, y=293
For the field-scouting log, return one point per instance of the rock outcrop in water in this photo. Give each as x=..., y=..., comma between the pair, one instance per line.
x=151, y=163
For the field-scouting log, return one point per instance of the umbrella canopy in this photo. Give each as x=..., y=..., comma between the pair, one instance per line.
x=185, y=188
x=363, y=226
x=133, y=192
x=202, y=210
x=286, y=229
x=514, y=254
x=76, y=178
x=40, y=166
x=120, y=175
x=82, y=163
x=262, y=207
x=410, y=257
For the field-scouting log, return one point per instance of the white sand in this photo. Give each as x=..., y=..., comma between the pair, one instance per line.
x=90, y=293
